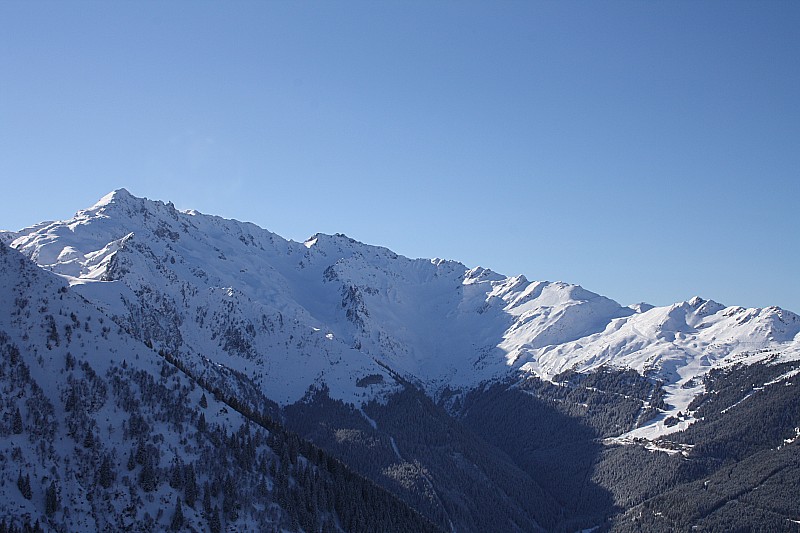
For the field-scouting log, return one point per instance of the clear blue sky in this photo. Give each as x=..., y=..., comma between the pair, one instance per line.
x=645, y=150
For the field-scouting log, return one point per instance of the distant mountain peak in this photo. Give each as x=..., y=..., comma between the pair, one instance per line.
x=641, y=307
x=696, y=301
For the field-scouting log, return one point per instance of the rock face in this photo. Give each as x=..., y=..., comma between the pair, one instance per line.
x=364, y=335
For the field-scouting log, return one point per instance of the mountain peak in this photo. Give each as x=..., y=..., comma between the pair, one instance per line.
x=115, y=196
x=641, y=307
x=696, y=301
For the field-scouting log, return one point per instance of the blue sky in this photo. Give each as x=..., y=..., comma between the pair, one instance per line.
x=649, y=151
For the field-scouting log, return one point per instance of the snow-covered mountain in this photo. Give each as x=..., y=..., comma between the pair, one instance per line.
x=337, y=311
x=482, y=401
x=99, y=432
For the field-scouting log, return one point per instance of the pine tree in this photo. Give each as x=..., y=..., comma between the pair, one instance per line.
x=141, y=453
x=261, y=488
x=214, y=524
x=229, y=496
x=105, y=476
x=71, y=402
x=207, y=498
x=201, y=423
x=147, y=477
x=190, y=486
x=24, y=485
x=131, y=460
x=176, y=475
x=51, y=500
x=177, y=518
x=17, y=425
x=88, y=440
x=203, y=401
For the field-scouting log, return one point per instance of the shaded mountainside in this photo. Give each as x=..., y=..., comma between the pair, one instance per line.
x=548, y=451
x=182, y=370
x=746, y=452
x=416, y=449
x=734, y=469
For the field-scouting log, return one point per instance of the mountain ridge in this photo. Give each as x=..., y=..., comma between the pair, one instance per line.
x=435, y=322
x=483, y=402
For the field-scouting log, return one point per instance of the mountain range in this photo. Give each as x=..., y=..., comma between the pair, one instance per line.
x=450, y=397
